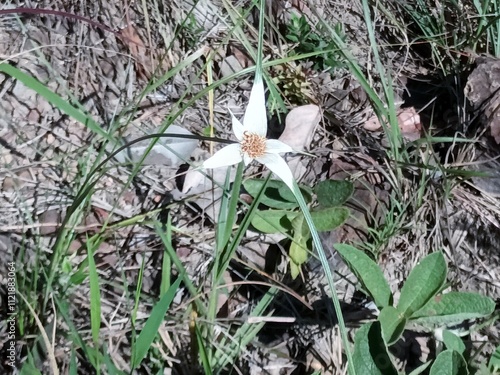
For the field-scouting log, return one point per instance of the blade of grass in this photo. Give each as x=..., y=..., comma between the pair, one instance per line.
x=329, y=277
x=166, y=239
x=229, y=220
x=166, y=266
x=73, y=367
x=48, y=345
x=202, y=350
x=91, y=354
x=54, y=99
x=226, y=353
x=138, y=290
x=148, y=333
x=95, y=296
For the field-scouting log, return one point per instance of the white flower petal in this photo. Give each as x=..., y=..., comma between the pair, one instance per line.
x=278, y=166
x=246, y=159
x=238, y=128
x=255, y=120
x=228, y=155
x=274, y=146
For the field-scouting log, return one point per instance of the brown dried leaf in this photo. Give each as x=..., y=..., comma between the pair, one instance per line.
x=138, y=50
x=241, y=57
x=408, y=121
x=300, y=125
x=483, y=91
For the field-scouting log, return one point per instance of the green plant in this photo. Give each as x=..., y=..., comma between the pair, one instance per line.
x=306, y=40
x=422, y=302
x=493, y=366
x=283, y=216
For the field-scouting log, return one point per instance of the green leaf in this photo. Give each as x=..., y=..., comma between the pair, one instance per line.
x=29, y=369
x=277, y=193
x=494, y=363
x=368, y=273
x=202, y=350
x=420, y=369
x=329, y=218
x=370, y=353
x=424, y=281
x=332, y=193
x=449, y=362
x=150, y=329
x=95, y=293
x=227, y=213
x=274, y=221
x=393, y=323
x=73, y=367
x=454, y=307
x=453, y=342
x=294, y=270
x=298, y=249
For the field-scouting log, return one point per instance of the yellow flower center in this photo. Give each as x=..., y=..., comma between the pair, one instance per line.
x=253, y=145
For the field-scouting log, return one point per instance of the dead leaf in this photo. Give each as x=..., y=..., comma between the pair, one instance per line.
x=408, y=122
x=300, y=125
x=482, y=90
x=207, y=189
x=230, y=65
x=241, y=57
x=372, y=124
x=193, y=179
x=138, y=50
x=167, y=151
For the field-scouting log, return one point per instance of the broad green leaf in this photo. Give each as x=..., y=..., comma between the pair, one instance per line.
x=274, y=221
x=150, y=329
x=370, y=353
x=453, y=342
x=424, y=281
x=449, y=362
x=368, y=273
x=494, y=363
x=420, y=369
x=454, y=307
x=333, y=193
x=277, y=193
x=393, y=323
x=294, y=270
x=329, y=218
x=298, y=251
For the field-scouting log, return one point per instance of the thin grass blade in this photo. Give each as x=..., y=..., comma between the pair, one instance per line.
x=150, y=329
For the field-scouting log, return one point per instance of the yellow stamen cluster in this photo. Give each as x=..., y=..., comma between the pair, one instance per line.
x=253, y=145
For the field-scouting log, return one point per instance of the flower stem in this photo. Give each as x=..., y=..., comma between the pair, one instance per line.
x=260, y=44
x=328, y=273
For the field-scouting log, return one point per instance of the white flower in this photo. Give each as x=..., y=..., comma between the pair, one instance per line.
x=253, y=143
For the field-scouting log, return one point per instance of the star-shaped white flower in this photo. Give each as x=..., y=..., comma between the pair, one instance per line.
x=253, y=143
